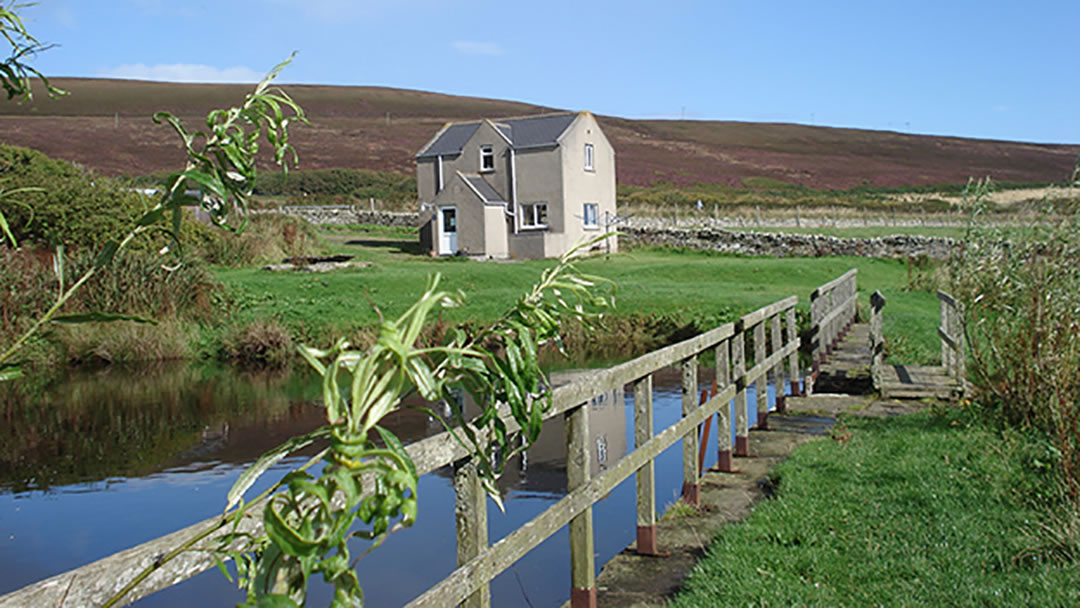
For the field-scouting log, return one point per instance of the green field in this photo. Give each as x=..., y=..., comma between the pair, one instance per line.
x=932, y=509
x=697, y=289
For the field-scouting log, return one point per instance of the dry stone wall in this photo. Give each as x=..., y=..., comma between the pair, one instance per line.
x=655, y=233
x=788, y=245
x=347, y=214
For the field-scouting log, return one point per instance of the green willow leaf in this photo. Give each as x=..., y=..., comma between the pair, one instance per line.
x=269, y=459
x=100, y=317
x=10, y=372
x=7, y=231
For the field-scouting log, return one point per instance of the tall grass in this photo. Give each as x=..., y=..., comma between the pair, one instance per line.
x=1021, y=291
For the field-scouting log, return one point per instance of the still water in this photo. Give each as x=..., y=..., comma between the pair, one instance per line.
x=106, y=460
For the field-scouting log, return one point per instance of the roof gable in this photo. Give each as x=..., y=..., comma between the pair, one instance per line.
x=482, y=188
x=524, y=132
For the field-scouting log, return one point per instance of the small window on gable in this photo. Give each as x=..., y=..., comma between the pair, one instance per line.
x=534, y=215
x=487, y=158
x=592, y=215
x=589, y=166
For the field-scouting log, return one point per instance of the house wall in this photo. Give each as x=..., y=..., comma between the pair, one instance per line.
x=468, y=161
x=539, y=179
x=496, y=244
x=427, y=175
x=581, y=186
x=470, y=216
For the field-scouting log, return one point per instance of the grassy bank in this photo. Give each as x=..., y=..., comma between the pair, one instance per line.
x=674, y=291
x=933, y=509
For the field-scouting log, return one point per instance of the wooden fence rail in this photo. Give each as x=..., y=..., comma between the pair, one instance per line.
x=951, y=332
x=735, y=346
x=832, y=312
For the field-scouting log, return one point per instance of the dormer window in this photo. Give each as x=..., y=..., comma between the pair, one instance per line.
x=487, y=158
x=589, y=166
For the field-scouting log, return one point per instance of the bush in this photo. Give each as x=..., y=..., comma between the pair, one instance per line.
x=77, y=209
x=358, y=183
x=1020, y=287
x=135, y=283
x=269, y=237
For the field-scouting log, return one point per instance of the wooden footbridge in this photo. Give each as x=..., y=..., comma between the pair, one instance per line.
x=758, y=350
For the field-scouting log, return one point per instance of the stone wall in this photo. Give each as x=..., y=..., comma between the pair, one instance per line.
x=789, y=245
x=348, y=214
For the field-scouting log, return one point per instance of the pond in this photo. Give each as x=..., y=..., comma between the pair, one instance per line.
x=102, y=461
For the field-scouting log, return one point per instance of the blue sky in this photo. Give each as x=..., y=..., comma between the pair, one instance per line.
x=991, y=69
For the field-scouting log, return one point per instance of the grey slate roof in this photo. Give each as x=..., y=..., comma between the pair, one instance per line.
x=451, y=140
x=486, y=191
x=526, y=132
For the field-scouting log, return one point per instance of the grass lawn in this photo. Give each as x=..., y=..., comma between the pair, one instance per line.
x=931, y=509
x=688, y=287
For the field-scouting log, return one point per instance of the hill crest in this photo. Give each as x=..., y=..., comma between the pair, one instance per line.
x=105, y=125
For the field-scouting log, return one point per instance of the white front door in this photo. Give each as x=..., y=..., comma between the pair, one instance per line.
x=447, y=230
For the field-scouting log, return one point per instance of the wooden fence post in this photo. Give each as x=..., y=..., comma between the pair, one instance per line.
x=815, y=342
x=470, y=514
x=645, y=476
x=778, y=369
x=761, y=384
x=578, y=458
x=877, y=341
x=723, y=416
x=793, y=359
x=691, y=475
x=738, y=372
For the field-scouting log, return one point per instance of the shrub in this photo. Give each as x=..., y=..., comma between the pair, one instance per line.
x=1020, y=287
x=260, y=343
x=269, y=237
x=77, y=209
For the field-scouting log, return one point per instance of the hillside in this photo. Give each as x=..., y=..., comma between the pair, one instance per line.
x=105, y=125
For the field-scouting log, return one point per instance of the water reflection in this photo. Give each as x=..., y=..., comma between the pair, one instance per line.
x=107, y=460
x=133, y=422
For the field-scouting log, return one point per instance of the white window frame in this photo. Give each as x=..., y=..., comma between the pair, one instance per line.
x=595, y=216
x=487, y=152
x=590, y=158
x=530, y=217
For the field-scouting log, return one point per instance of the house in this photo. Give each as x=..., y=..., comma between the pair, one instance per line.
x=529, y=187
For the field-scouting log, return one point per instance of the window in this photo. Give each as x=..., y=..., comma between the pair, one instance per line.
x=592, y=215
x=589, y=166
x=534, y=215
x=487, y=158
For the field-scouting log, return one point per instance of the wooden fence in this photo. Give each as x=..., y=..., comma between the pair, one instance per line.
x=766, y=340
x=951, y=332
x=832, y=312
x=913, y=381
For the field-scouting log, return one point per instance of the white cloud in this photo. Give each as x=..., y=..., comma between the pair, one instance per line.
x=467, y=47
x=182, y=72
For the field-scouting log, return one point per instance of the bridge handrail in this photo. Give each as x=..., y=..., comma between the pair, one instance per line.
x=951, y=332
x=91, y=584
x=832, y=311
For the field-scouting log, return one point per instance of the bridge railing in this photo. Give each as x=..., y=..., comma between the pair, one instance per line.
x=877, y=340
x=759, y=346
x=951, y=332
x=832, y=312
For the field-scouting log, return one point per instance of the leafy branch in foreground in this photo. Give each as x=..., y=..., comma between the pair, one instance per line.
x=368, y=485
x=222, y=163
x=15, y=72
